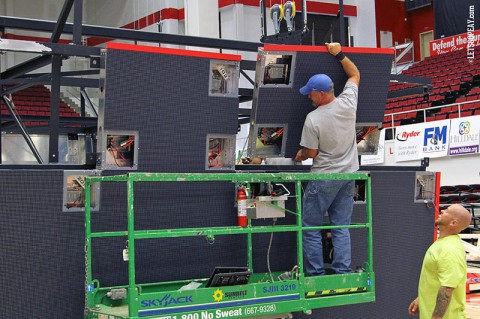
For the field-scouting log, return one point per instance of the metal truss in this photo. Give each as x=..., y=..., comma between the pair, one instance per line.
x=16, y=77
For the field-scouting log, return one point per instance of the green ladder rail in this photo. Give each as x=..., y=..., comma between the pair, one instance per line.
x=259, y=297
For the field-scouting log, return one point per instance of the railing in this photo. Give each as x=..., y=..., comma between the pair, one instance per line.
x=260, y=296
x=428, y=109
x=403, y=57
x=73, y=97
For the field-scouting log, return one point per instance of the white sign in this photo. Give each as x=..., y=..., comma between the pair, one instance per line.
x=379, y=158
x=408, y=142
x=464, y=136
x=435, y=139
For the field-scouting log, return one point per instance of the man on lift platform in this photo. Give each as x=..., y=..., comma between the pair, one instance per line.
x=329, y=138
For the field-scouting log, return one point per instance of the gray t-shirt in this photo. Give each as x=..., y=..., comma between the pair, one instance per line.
x=330, y=129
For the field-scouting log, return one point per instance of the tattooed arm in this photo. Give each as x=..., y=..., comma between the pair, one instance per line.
x=443, y=300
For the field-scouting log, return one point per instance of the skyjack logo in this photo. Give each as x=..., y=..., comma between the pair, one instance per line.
x=166, y=301
x=406, y=135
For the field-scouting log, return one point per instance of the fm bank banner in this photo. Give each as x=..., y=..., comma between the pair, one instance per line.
x=413, y=142
x=464, y=136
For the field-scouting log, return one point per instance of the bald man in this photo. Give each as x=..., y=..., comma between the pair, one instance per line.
x=442, y=284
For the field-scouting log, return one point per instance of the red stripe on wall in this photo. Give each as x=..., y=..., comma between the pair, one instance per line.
x=181, y=14
x=93, y=41
x=143, y=22
x=170, y=51
x=312, y=7
x=168, y=13
x=172, y=13
x=253, y=3
x=308, y=48
x=31, y=38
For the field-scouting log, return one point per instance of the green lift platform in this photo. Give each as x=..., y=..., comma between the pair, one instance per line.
x=260, y=296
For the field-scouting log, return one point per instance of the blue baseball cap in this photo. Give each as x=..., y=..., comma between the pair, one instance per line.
x=318, y=82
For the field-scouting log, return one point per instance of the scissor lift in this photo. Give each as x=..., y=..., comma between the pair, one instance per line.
x=259, y=297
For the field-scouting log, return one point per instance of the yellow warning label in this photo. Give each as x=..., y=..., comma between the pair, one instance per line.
x=319, y=293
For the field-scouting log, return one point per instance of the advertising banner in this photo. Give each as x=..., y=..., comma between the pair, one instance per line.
x=464, y=136
x=456, y=42
x=435, y=139
x=408, y=142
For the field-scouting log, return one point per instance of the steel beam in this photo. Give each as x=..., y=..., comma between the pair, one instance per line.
x=247, y=77
x=243, y=99
x=38, y=62
x=54, y=109
x=66, y=73
x=82, y=103
x=23, y=130
x=248, y=65
x=88, y=101
x=62, y=19
x=343, y=42
x=84, y=121
x=331, y=29
x=46, y=79
x=132, y=35
x=80, y=82
x=44, y=130
x=73, y=50
x=410, y=79
x=26, y=84
x=243, y=120
x=244, y=111
x=77, y=22
x=263, y=19
x=245, y=92
x=41, y=61
x=26, y=67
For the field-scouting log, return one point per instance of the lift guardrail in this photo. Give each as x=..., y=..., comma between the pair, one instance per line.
x=260, y=296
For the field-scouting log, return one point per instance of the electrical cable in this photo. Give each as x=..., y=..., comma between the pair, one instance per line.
x=268, y=251
x=362, y=135
x=243, y=148
x=77, y=201
x=113, y=155
x=214, y=155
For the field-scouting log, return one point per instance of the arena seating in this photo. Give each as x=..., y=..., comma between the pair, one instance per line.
x=460, y=194
x=455, y=91
x=466, y=195
x=35, y=101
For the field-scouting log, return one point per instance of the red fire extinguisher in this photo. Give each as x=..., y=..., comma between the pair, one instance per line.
x=242, y=207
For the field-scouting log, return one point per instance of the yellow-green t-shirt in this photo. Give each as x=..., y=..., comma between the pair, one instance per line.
x=444, y=265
